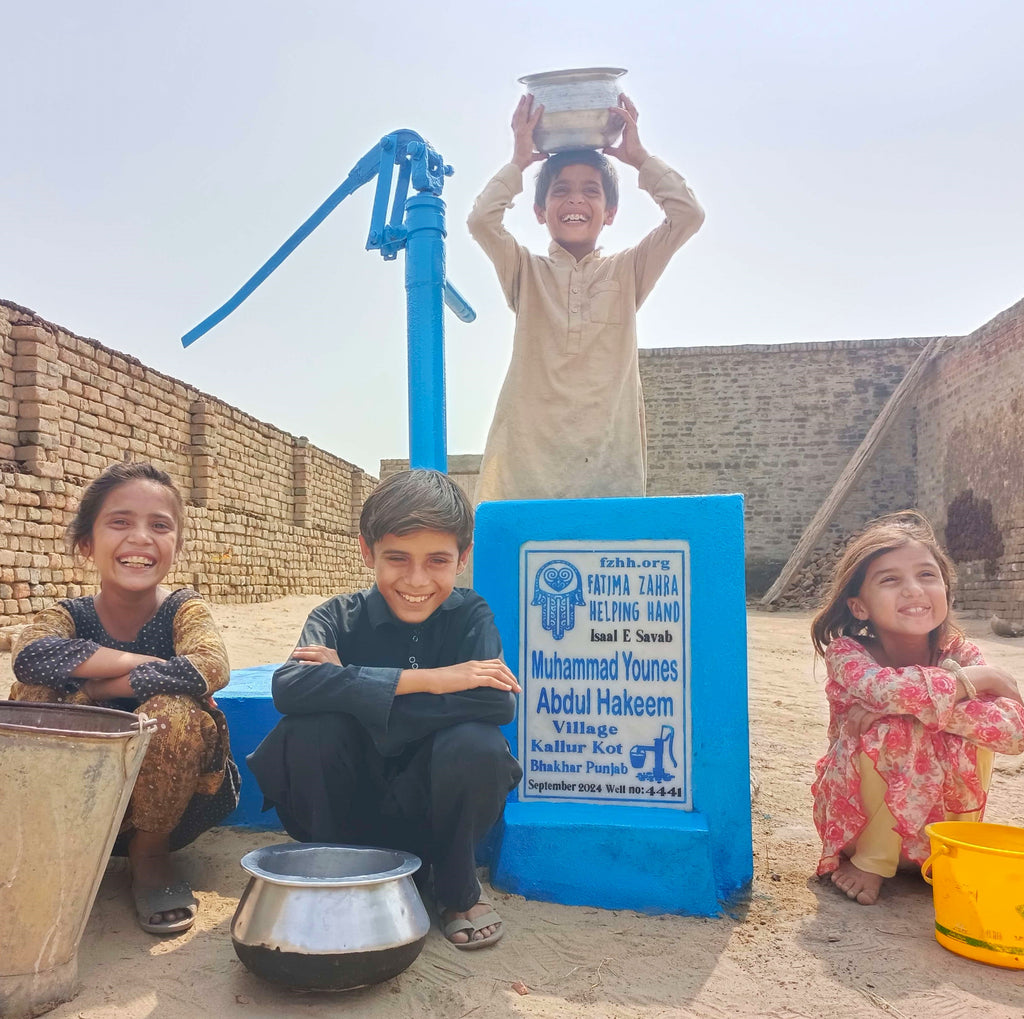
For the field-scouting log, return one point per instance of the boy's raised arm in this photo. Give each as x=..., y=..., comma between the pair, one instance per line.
x=683, y=213
x=486, y=218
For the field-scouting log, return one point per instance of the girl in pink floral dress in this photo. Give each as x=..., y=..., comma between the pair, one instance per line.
x=915, y=713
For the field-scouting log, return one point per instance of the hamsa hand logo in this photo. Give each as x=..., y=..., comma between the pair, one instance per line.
x=558, y=589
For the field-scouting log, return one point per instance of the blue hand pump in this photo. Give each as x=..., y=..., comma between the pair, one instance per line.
x=418, y=225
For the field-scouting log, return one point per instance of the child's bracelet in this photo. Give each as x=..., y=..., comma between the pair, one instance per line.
x=953, y=666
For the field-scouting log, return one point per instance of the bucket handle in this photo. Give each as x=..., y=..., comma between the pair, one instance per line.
x=146, y=726
x=926, y=866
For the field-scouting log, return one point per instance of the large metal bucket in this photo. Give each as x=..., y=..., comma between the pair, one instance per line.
x=66, y=775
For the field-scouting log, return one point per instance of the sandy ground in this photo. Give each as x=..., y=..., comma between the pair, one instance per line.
x=792, y=948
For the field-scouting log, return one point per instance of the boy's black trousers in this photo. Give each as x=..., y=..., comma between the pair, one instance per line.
x=437, y=799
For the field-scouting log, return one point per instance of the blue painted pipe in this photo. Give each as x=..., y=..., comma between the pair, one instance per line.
x=425, y=291
x=457, y=304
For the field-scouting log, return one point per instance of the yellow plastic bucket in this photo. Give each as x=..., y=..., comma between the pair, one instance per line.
x=977, y=878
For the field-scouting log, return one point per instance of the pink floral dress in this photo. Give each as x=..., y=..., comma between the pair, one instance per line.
x=925, y=748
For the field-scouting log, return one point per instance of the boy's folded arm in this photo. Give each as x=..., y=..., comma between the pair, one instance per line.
x=366, y=692
x=417, y=715
x=306, y=687
x=481, y=704
x=465, y=674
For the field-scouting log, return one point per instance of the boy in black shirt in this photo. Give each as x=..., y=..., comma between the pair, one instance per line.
x=392, y=702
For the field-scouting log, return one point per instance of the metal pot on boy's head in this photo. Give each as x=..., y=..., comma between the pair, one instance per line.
x=329, y=917
x=576, y=102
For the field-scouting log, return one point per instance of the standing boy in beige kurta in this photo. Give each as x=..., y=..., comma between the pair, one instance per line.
x=570, y=417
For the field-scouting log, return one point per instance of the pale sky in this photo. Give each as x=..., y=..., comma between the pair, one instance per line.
x=861, y=165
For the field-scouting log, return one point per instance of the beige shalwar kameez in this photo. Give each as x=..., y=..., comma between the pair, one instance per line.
x=569, y=422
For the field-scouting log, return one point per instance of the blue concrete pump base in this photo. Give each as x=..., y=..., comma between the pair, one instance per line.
x=641, y=858
x=619, y=855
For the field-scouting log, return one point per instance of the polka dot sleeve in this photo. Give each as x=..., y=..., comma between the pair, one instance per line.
x=48, y=651
x=200, y=663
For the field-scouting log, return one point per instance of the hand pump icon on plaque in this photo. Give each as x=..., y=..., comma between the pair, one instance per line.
x=662, y=744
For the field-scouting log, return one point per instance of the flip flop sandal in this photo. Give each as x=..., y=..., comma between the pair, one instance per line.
x=149, y=901
x=488, y=919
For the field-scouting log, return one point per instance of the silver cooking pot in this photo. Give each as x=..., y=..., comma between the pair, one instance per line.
x=329, y=917
x=576, y=102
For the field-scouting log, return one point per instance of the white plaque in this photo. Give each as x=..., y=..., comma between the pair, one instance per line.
x=605, y=639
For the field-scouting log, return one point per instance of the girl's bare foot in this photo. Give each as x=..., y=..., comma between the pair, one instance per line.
x=857, y=884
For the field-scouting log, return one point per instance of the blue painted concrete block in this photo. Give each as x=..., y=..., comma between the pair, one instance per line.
x=653, y=861
x=690, y=855
x=250, y=711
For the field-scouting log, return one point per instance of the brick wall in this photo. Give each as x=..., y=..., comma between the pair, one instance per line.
x=970, y=428
x=778, y=423
x=268, y=513
x=775, y=422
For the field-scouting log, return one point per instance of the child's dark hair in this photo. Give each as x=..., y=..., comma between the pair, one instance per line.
x=417, y=500
x=79, y=531
x=885, y=534
x=554, y=165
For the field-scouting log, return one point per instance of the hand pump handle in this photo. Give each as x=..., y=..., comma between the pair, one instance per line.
x=418, y=226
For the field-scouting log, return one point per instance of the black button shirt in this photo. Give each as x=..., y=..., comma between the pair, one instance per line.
x=375, y=647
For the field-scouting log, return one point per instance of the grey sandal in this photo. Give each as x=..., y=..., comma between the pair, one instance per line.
x=149, y=901
x=471, y=927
